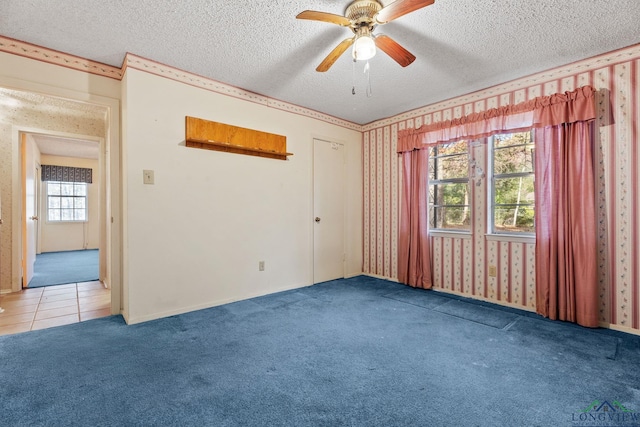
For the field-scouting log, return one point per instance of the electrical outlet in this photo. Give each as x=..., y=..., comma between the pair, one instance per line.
x=147, y=176
x=493, y=271
x=261, y=266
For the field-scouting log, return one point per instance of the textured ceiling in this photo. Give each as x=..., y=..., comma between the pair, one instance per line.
x=66, y=147
x=461, y=45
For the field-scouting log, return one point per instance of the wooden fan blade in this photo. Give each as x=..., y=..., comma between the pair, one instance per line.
x=334, y=55
x=399, y=8
x=399, y=54
x=324, y=17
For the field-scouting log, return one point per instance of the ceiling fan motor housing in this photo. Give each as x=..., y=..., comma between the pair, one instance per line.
x=361, y=13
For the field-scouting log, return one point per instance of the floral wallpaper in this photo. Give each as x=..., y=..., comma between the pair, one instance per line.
x=461, y=263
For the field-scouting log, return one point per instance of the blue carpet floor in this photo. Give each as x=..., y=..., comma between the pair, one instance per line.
x=354, y=352
x=59, y=268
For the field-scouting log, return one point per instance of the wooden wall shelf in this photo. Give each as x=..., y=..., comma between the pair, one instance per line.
x=216, y=136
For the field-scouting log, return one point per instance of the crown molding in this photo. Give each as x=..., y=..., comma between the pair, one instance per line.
x=172, y=73
x=54, y=57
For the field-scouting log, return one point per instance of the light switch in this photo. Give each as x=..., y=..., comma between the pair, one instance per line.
x=147, y=176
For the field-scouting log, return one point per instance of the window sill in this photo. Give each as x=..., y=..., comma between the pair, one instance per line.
x=450, y=234
x=511, y=238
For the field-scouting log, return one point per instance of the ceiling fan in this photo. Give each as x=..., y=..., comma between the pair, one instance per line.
x=362, y=16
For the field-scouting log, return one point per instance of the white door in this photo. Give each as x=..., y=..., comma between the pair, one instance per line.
x=329, y=212
x=29, y=214
x=36, y=200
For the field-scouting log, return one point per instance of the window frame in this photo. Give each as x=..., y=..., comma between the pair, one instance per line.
x=459, y=180
x=85, y=197
x=491, y=205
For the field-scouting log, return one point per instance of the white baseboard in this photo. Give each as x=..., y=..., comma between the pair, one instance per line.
x=130, y=320
x=619, y=328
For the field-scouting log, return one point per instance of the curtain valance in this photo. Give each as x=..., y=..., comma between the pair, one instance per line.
x=66, y=174
x=543, y=111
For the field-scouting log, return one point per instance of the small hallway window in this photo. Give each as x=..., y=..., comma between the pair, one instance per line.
x=66, y=201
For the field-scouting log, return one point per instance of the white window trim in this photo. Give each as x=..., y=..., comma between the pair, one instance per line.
x=443, y=232
x=510, y=237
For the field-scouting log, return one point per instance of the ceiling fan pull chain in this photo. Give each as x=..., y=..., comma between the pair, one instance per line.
x=367, y=71
x=353, y=77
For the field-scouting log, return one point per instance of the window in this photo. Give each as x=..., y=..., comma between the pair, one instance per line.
x=512, y=186
x=66, y=201
x=449, y=186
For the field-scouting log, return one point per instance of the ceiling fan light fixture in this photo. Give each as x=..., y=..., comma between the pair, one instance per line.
x=364, y=47
x=362, y=17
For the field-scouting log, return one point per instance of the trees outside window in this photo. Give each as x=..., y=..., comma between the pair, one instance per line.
x=449, y=200
x=512, y=185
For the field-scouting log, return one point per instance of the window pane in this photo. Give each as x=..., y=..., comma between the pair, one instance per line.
x=79, y=215
x=514, y=190
x=450, y=217
x=80, y=190
x=449, y=194
x=54, y=202
x=448, y=161
x=514, y=219
x=457, y=147
x=516, y=159
x=53, y=188
x=54, y=215
x=66, y=188
x=508, y=139
x=78, y=202
x=448, y=167
x=66, y=202
x=66, y=214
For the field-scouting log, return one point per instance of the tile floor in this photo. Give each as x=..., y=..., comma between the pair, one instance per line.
x=39, y=308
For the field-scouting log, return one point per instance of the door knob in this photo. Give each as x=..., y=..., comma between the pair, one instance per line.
x=35, y=218
x=317, y=219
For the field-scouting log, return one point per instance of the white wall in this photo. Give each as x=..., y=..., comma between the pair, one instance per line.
x=71, y=236
x=194, y=239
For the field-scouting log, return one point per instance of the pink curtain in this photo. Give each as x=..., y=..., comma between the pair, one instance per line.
x=565, y=206
x=568, y=107
x=566, y=276
x=414, y=266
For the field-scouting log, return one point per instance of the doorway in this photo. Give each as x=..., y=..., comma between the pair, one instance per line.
x=63, y=209
x=329, y=163
x=63, y=114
